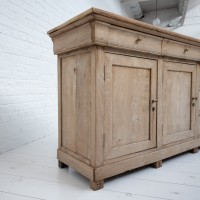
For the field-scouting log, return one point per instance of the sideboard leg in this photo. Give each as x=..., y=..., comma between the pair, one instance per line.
x=61, y=164
x=96, y=185
x=157, y=164
x=195, y=150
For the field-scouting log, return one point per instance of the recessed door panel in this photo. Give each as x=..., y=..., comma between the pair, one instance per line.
x=131, y=94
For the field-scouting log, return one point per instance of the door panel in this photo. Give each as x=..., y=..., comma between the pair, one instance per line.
x=130, y=104
x=198, y=103
x=130, y=123
x=179, y=108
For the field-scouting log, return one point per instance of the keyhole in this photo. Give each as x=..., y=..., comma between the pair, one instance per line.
x=153, y=109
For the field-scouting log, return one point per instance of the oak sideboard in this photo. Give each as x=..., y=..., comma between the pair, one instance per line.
x=128, y=94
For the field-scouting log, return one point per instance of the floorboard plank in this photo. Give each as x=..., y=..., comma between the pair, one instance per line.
x=153, y=188
x=31, y=172
x=52, y=191
x=11, y=196
x=34, y=160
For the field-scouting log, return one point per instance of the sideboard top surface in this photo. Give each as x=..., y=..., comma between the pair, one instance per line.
x=121, y=21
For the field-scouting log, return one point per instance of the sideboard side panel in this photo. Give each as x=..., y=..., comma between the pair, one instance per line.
x=76, y=103
x=68, y=103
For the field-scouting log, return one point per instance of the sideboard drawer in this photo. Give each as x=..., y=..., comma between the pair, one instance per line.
x=180, y=50
x=133, y=40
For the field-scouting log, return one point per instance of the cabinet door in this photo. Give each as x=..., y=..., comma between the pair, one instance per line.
x=178, y=101
x=130, y=115
x=198, y=103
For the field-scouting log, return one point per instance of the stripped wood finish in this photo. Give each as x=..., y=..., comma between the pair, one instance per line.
x=157, y=164
x=128, y=94
x=130, y=120
x=76, y=94
x=179, y=105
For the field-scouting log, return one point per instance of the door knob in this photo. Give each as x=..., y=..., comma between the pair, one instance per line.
x=139, y=39
x=186, y=50
x=154, y=100
x=194, y=98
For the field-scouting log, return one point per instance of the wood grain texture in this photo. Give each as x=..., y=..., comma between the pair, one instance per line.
x=100, y=31
x=92, y=140
x=100, y=106
x=178, y=112
x=68, y=116
x=181, y=50
x=128, y=39
x=76, y=103
x=96, y=185
x=59, y=75
x=79, y=166
x=83, y=104
x=160, y=104
x=131, y=96
x=72, y=39
x=197, y=130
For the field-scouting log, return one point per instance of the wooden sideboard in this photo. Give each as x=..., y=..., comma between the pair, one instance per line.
x=128, y=94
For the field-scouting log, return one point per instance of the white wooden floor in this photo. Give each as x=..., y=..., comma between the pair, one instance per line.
x=30, y=172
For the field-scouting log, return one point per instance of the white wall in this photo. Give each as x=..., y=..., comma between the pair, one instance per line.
x=28, y=77
x=113, y=6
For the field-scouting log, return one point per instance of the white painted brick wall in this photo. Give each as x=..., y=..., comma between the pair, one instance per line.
x=28, y=76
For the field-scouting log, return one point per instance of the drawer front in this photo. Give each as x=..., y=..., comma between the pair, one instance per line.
x=133, y=40
x=180, y=50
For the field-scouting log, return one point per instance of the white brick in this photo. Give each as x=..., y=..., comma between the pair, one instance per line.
x=28, y=76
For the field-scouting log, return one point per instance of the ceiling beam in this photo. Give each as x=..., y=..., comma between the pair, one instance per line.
x=183, y=10
x=135, y=8
x=132, y=1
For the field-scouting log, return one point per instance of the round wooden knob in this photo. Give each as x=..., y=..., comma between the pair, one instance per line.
x=194, y=98
x=154, y=100
x=186, y=50
x=139, y=39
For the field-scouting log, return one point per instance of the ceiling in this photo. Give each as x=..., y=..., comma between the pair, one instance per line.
x=148, y=6
x=140, y=8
